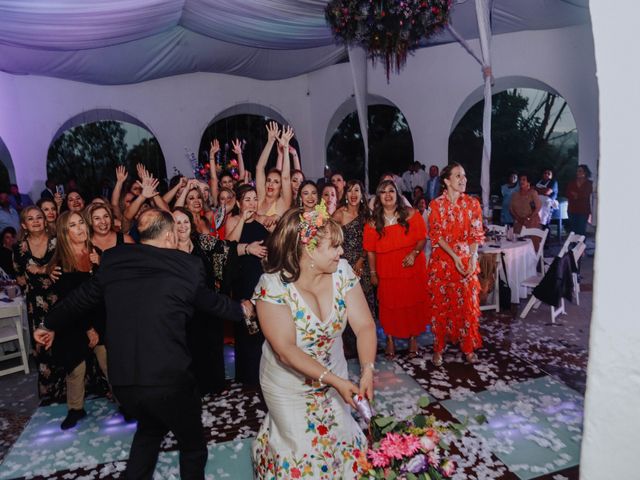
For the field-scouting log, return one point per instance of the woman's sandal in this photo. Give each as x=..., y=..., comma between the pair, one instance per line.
x=413, y=347
x=437, y=359
x=390, y=350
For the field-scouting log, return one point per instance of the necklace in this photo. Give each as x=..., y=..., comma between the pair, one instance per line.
x=391, y=220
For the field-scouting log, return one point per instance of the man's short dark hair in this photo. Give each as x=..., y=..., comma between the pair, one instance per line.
x=153, y=223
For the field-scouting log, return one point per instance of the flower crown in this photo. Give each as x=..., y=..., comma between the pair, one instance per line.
x=310, y=223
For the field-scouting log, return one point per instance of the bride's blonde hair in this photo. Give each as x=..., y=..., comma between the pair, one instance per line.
x=285, y=248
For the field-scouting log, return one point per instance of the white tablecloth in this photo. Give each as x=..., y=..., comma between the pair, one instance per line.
x=519, y=260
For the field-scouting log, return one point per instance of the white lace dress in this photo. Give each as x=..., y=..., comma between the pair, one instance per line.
x=309, y=431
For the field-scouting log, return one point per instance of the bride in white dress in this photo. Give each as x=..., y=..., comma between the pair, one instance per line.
x=304, y=302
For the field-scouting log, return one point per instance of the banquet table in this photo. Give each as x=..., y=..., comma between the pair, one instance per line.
x=519, y=260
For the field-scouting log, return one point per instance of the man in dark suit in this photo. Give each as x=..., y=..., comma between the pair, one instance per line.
x=150, y=292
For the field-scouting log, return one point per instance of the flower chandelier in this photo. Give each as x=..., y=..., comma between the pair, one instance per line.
x=387, y=29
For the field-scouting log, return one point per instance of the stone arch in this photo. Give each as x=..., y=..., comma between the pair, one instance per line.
x=248, y=109
x=348, y=106
x=501, y=84
x=97, y=115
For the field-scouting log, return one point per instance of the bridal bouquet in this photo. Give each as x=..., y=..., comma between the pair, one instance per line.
x=411, y=449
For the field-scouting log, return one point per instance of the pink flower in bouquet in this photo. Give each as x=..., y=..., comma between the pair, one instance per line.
x=392, y=446
x=411, y=444
x=378, y=459
x=448, y=467
x=433, y=457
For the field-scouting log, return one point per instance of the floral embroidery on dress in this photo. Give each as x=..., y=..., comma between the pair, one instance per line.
x=325, y=448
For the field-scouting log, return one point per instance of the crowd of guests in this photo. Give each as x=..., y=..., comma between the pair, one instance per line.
x=412, y=248
x=525, y=204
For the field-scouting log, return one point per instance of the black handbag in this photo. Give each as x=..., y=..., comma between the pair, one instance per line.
x=504, y=288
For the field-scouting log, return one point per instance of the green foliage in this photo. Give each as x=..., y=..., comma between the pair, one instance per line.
x=523, y=138
x=390, y=145
x=91, y=152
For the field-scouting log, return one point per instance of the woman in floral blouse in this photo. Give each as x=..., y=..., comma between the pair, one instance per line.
x=455, y=230
x=302, y=304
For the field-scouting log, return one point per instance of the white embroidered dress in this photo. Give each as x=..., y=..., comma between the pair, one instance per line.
x=309, y=431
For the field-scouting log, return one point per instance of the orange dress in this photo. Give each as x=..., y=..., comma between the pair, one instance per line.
x=454, y=303
x=402, y=295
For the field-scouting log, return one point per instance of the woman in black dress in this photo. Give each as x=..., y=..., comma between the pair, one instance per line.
x=245, y=227
x=205, y=335
x=31, y=254
x=73, y=263
x=352, y=216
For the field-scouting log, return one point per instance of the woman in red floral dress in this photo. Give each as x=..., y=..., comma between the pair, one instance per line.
x=394, y=243
x=455, y=230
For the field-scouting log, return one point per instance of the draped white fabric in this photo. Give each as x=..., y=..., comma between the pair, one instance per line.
x=358, y=62
x=128, y=41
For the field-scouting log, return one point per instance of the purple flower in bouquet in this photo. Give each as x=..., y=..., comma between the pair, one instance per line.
x=417, y=464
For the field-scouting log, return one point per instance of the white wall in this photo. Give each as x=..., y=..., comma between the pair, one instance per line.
x=612, y=415
x=434, y=84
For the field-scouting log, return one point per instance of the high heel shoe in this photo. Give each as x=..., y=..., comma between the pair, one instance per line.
x=413, y=347
x=390, y=350
x=436, y=359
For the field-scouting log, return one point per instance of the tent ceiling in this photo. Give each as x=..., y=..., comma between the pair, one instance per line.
x=130, y=41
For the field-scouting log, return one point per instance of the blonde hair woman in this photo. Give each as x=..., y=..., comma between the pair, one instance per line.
x=302, y=304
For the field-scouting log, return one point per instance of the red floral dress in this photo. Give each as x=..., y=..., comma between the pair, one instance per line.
x=402, y=297
x=454, y=305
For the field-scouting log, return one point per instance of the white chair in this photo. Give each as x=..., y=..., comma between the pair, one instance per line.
x=533, y=282
x=577, y=251
x=542, y=235
x=11, y=331
x=571, y=239
x=495, y=305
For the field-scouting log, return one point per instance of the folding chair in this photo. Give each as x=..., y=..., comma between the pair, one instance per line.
x=542, y=235
x=573, y=238
x=535, y=280
x=11, y=331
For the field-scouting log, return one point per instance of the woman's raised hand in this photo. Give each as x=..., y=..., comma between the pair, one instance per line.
x=215, y=148
x=149, y=186
x=236, y=146
x=121, y=174
x=285, y=138
x=273, y=132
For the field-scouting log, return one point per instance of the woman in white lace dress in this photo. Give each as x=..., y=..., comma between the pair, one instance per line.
x=304, y=302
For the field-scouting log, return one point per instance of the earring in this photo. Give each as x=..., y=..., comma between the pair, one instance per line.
x=313, y=265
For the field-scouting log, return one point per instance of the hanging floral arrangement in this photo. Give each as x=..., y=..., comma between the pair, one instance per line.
x=387, y=29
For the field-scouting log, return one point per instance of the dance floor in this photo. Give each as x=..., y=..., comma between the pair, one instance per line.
x=529, y=385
